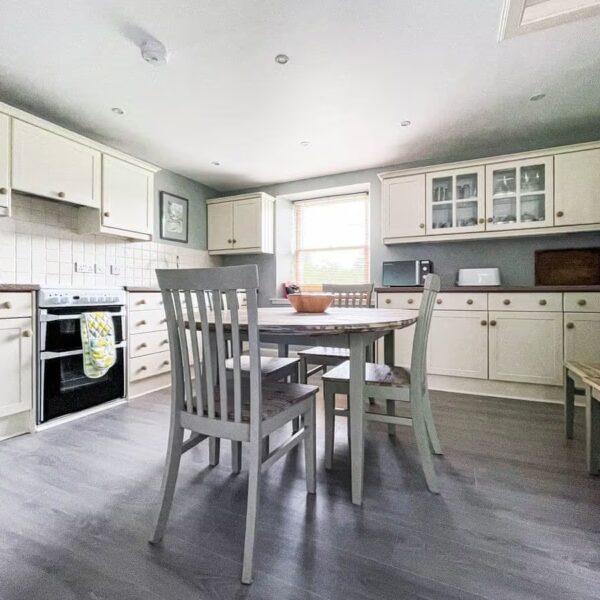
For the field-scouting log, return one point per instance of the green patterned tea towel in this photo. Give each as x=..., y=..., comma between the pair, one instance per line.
x=98, y=341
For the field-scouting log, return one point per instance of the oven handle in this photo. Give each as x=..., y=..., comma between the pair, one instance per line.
x=47, y=355
x=47, y=318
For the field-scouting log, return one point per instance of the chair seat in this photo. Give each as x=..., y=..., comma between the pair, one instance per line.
x=277, y=398
x=324, y=352
x=268, y=364
x=375, y=374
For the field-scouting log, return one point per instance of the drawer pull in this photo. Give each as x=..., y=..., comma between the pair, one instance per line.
x=469, y=301
x=7, y=305
x=27, y=333
x=570, y=325
x=543, y=302
x=142, y=301
x=163, y=320
x=142, y=345
x=421, y=225
x=164, y=342
x=3, y=191
x=388, y=301
x=143, y=368
x=106, y=213
x=506, y=301
x=493, y=323
x=560, y=213
x=410, y=301
x=143, y=322
x=582, y=302
x=61, y=194
x=165, y=363
x=438, y=301
x=484, y=322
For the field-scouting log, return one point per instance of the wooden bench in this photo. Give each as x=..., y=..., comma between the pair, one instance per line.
x=589, y=374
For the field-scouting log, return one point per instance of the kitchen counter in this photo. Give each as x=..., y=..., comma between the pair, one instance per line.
x=471, y=289
x=19, y=287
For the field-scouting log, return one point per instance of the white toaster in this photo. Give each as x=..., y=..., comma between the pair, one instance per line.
x=479, y=276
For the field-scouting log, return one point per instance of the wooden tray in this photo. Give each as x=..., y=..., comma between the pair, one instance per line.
x=577, y=266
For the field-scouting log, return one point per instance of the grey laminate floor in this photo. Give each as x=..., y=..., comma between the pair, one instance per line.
x=518, y=517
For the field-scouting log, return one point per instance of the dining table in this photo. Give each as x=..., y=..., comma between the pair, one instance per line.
x=352, y=328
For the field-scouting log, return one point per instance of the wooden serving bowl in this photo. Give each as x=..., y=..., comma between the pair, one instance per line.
x=315, y=302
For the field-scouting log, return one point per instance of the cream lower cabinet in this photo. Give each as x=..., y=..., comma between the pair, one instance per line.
x=582, y=337
x=526, y=347
x=4, y=166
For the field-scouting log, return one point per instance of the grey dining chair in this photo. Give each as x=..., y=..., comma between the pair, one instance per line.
x=353, y=296
x=394, y=384
x=208, y=403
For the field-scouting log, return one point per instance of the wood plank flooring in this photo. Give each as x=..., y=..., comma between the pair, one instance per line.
x=518, y=517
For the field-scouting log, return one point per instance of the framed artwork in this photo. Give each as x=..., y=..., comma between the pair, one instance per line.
x=173, y=217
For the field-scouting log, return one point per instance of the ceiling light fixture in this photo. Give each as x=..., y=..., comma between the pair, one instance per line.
x=537, y=97
x=282, y=59
x=118, y=111
x=215, y=163
x=304, y=144
x=154, y=52
x=404, y=123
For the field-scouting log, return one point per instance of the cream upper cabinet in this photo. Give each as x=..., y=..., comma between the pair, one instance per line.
x=582, y=337
x=127, y=196
x=50, y=165
x=455, y=201
x=520, y=194
x=577, y=188
x=403, y=206
x=241, y=224
x=16, y=366
x=526, y=347
x=458, y=344
x=4, y=165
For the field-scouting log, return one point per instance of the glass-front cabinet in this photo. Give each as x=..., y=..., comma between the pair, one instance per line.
x=455, y=201
x=520, y=194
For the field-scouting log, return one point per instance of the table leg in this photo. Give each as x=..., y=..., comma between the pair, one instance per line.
x=356, y=399
x=283, y=351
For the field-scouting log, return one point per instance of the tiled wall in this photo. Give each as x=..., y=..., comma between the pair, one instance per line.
x=40, y=244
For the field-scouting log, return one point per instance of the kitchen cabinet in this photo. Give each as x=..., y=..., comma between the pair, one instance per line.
x=519, y=194
x=50, y=165
x=582, y=337
x=577, y=188
x=526, y=347
x=403, y=206
x=4, y=165
x=241, y=224
x=455, y=201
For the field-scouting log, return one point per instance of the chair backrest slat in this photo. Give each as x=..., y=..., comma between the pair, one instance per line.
x=418, y=365
x=189, y=295
x=355, y=296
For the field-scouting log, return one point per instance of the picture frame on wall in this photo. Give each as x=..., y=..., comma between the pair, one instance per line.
x=174, y=214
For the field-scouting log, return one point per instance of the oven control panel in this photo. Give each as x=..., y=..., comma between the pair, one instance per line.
x=48, y=297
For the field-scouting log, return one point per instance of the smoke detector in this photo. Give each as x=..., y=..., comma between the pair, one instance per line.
x=154, y=52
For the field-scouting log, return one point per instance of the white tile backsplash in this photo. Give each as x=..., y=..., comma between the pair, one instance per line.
x=40, y=244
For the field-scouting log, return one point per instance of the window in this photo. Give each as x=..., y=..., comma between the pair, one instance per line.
x=332, y=240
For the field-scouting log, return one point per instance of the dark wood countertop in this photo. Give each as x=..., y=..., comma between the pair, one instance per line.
x=19, y=287
x=133, y=288
x=498, y=289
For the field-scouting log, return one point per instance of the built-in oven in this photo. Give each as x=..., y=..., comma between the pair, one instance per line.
x=63, y=387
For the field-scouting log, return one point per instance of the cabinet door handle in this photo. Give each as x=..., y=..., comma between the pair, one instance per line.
x=493, y=323
x=438, y=301
x=388, y=301
x=3, y=191
x=106, y=213
x=410, y=301
x=490, y=219
x=8, y=305
x=234, y=240
x=560, y=213
x=61, y=194
x=484, y=322
x=481, y=220
x=570, y=325
x=27, y=333
x=421, y=225
x=229, y=241
x=469, y=301
x=582, y=302
x=506, y=301
x=543, y=302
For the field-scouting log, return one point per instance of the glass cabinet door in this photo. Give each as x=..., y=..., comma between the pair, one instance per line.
x=455, y=201
x=519, y=194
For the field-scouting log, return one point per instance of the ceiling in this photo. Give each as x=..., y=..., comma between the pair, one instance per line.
x=357, y=69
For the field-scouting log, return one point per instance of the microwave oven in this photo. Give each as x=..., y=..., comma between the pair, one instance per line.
x=406, y=272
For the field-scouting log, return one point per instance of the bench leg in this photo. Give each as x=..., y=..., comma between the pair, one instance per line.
x=592, y=427
x=569, y=405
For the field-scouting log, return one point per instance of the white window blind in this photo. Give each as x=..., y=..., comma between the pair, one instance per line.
x=332, y=240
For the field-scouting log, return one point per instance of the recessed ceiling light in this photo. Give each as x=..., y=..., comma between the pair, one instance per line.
x=154, y=52
x=404, y=123
x=304, y=144
x=215, y=163
x=537, y=97
x=282, y=59
x=118, y=111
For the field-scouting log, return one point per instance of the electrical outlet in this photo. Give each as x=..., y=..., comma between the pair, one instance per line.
x=99, y=270
x=83, y=268
x=114, y=270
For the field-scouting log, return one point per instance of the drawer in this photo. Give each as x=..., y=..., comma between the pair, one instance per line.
x=141, y=344
x=145, y=321
x=538, y=302
x=142, y=367
x=145, y=301
x=582, y=302
x=460, y=301
x=15, y=304
x=406, y=301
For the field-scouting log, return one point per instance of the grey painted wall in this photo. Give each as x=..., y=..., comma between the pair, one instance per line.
x=514, y=257
x=196, y=193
